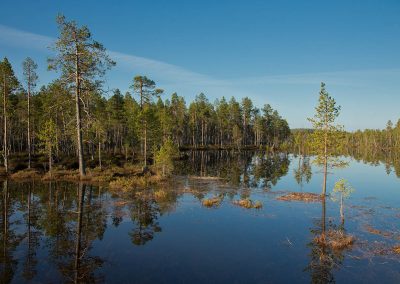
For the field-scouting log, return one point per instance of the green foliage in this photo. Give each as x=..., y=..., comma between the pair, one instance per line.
x=29, y=72
x=93, y=59
x=342, y=189
x=48, y=136
x=327, y=135
x=164, y=158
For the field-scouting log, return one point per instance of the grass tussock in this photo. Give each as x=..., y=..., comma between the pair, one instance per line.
x=106, y=174
x=248, y=203
x=61, y=174
x=301, y=196
x=396, y=249
x=132, y=182
x=335, y=239
x=211, y=202
x=26, y=174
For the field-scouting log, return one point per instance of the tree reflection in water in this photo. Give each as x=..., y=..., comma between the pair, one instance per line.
x=246, y=168
x=325, y=258
x=144, y=213
x=60, y=221
x=303, y=172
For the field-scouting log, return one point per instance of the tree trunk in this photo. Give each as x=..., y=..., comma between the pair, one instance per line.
x=82, y=170
x=5, y=146
x=341, y=209
x=325, y=157
x=202, y=132
x=29, y=122
x=50, y=161
x=323, y=223
x=145, y=144
x=100, y=155
x=79, y=232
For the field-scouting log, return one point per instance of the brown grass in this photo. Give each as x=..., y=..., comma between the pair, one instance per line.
x=335, y=239
x=211, y=202
x=258, y=205
x=26, y=174
x=301, y=196
x=396, y=249
x=61, y=174
x=248, y=203
x=132, y=182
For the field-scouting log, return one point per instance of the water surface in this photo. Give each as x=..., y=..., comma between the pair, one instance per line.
x=66, y=232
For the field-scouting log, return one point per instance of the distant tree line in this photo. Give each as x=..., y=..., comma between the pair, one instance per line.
x=371, y=140
x=71, y=116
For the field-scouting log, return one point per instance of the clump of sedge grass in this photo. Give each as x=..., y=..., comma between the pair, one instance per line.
x=127, y=183
x=26, y=174
x=61, y=174
x=301, y=196
x=257, y=205
x=396, y=249
x=132, y=182
x=335, y=239
x=248, y=203
x=211, y=202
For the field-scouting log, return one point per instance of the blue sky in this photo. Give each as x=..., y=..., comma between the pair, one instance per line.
x=274, y=52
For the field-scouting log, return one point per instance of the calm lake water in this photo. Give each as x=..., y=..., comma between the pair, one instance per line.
x=65, y=232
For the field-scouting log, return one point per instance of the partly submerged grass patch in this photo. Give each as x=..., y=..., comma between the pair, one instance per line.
x=301, y=196
x=335, y=239
x=61, y=174
x=132, y=182
x=127, y=183
x=26, y=174
x=212, y=202
x=396, y=249
x=248, y=203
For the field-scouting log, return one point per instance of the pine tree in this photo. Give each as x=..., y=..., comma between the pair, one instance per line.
x=29, y=67
x=48, y=137
x=165, y=156
x=146, y=89
x=9, y=84
x=81, y=60
x=327, y=135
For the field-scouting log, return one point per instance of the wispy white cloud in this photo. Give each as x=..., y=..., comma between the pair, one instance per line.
x=351, y=87
x=15, y=37
x=169, y=72
x=173, y=75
